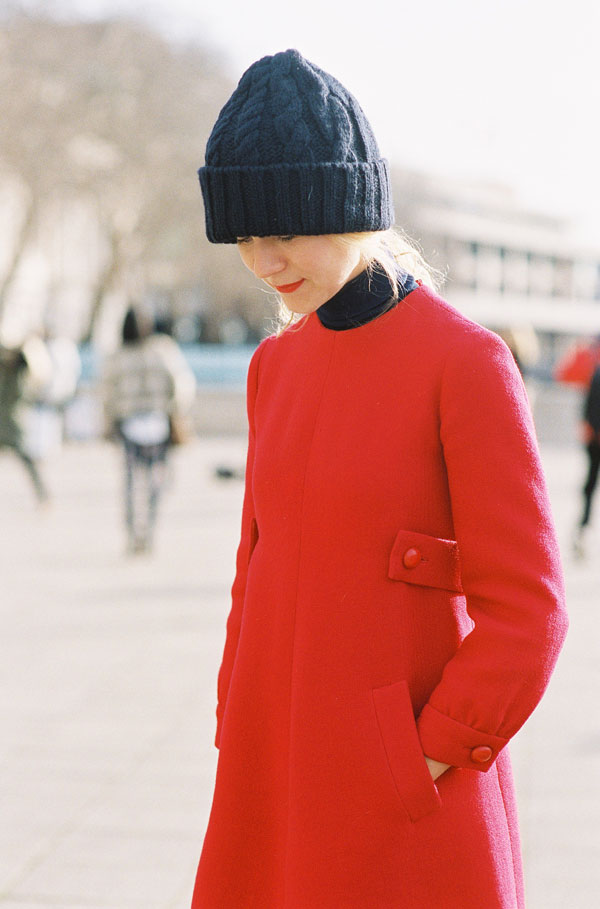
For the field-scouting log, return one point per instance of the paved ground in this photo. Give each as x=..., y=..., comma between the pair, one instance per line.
x=107, y=671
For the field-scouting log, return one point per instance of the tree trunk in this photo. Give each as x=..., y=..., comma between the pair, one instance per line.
x=19, y=248
x=104, y=283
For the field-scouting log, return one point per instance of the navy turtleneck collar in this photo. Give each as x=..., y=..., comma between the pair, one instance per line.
x=363, y=299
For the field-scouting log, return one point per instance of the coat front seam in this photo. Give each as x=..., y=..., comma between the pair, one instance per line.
x=515, y=874
x=293, y=660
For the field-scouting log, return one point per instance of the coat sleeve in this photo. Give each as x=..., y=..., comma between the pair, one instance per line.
x=510, y=562
x=249, y=536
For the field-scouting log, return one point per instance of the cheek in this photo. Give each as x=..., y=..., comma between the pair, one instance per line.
x=339, y=268
x=353, y=262
x=246, y=257
x=342, y=274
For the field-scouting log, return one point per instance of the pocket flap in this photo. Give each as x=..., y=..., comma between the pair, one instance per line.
x=417, y=558
x=406, y=760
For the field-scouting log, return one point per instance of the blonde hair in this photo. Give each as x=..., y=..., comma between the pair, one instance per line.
x=390, y=250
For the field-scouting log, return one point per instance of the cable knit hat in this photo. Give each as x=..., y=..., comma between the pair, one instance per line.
x=293, y=153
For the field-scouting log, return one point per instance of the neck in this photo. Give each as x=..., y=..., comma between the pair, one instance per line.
x=363, y=299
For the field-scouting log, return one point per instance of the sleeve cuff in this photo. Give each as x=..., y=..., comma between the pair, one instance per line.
x=450, y=742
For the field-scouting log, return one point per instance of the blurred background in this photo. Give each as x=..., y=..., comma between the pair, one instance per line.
x=488, y=114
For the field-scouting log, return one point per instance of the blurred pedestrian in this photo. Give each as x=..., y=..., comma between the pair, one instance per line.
x=24, y=369
x=398, y=604
x=523, y=344
x=148, y=387
x=578, y=363
x=591, y=438
x=46, y=417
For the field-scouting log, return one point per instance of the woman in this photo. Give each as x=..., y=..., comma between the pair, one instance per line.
x=147, y=383
x=398, y=603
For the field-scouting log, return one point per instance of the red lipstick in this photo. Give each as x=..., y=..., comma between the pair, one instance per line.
x=289, y=288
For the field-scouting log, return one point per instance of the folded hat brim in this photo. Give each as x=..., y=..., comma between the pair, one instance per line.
x=300, y=199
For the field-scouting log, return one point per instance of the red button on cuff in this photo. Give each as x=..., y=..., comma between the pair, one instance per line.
x=481, y=754
x=411, y=558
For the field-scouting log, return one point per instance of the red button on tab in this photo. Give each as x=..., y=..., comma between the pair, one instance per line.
x=481, y=754
x=411, y=558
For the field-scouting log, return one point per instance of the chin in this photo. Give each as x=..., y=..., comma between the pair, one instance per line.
x=303, y=309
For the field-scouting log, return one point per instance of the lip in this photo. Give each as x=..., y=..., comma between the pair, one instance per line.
x=289, y=288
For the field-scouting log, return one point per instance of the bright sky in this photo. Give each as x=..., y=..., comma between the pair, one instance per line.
x=508, y=91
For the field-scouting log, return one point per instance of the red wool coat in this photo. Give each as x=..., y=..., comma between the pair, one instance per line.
x=398, y=593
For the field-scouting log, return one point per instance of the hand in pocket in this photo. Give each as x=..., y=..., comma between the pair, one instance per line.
x=436, y=768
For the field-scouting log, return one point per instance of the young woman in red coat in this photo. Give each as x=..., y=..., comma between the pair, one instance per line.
x=398, y=603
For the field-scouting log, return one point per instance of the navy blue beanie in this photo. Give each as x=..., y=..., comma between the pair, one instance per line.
x=293, y=153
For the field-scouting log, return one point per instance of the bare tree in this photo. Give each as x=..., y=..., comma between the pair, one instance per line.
x=110, y=115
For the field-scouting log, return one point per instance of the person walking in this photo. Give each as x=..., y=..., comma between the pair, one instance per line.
x=24, y=369
x=398, y=603
x=591, y=431
x=147, y=387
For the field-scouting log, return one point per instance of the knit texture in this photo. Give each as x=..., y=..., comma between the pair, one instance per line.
x=293, y=153
x=363, y=299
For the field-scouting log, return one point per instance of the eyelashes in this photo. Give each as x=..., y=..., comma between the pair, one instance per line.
x=283, y=239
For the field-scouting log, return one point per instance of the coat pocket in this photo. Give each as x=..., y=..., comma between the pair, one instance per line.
x=398, y=729
x=417, y=558
x=253, y=538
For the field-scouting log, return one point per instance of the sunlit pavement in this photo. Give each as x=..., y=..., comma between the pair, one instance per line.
x=108, y=667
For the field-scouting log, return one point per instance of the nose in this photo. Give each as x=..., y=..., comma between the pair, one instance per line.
x=267, y=258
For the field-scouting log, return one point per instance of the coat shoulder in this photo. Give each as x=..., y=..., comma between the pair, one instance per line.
x=435, y=318
x=446, y=336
